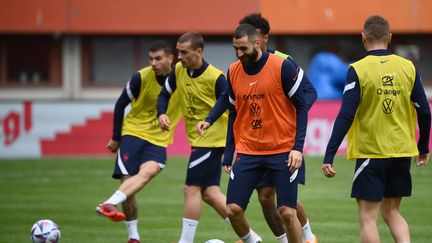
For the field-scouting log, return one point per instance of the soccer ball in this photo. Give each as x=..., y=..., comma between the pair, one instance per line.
x=45, y=231
x=214, y=241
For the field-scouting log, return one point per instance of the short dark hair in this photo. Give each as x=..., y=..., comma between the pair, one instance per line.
x=376, y=28
x=196, y=39
x=257, y=21
x=161, y=45
x=245, y=30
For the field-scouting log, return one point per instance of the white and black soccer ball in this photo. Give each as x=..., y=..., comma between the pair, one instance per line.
x=214, y=241
x=45, y=231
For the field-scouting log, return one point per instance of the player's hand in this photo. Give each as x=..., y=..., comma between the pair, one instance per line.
x=201, y=126
x=227, y=169
x=164, y=122
x=328, y=170
x=295, y=159
x=112, y=146
x=421, y=160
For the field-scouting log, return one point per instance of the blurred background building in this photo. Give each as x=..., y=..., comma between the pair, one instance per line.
x=81, y=51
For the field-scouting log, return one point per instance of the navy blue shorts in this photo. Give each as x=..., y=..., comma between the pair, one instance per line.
x=204, y=167
x=133, y=152
x=247, y=172
x=267, y=181
x=378, y=178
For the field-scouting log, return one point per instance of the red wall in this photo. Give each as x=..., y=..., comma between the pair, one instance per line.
x=126, y=16
x=346, y=16
x=208, y=17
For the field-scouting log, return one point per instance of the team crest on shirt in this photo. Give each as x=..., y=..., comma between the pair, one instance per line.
x=191, y=110
x=125, y=157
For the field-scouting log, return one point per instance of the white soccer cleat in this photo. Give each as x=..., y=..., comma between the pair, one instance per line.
x=256, y=236
x=314, y=240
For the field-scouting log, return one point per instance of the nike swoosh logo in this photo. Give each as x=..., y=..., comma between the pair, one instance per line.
x=383, y=61
x=252, y=83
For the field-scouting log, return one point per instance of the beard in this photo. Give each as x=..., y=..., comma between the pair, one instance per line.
x=249, y=59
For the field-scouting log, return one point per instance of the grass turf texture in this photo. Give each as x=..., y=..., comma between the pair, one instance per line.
x=67, y=191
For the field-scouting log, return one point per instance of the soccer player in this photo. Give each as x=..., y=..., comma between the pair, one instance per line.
x=265, y=188
x=270, y=96
x=382, y=95
x=138, y=140
x=198, y=85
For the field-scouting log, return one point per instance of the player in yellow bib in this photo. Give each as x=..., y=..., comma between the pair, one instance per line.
x=139, y=142
x=382, y=95
x=198, y=85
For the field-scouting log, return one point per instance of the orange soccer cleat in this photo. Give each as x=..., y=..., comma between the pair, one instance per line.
x=110, y=211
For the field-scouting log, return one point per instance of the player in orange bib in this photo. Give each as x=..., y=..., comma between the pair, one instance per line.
x=270, y=97
x=265, y=189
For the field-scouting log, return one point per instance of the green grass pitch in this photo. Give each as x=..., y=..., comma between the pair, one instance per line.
x=67, y=191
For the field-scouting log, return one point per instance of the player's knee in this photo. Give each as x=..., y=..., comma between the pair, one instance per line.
x=266, y=197
x=385, y=217
x=186, y=190
x=212, y=193
x=234, y=210
x=387, y=214
x=149, y=169
x=207, y=198
x=144, y=178
x=288, y=213
x=191, y=191
x=267, y=202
